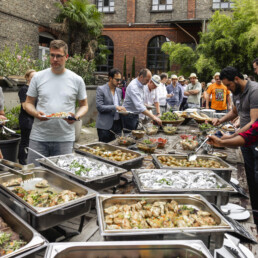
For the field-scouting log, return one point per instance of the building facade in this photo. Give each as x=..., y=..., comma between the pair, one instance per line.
x=138, y=28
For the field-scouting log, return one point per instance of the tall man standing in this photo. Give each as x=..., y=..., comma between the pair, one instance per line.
x=193, y=91
x=56, y=90
x=162, y=92
x=221, y=100
x=245, y=95
x=108, y=98
x=134, y=101
x=175, y=94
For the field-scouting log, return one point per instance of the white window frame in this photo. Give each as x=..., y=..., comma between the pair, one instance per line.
x=219, y=4
x=106, y=9
x=44, y=52
x=156, y=6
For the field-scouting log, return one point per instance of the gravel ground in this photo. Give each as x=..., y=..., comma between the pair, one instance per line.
x=87, y=135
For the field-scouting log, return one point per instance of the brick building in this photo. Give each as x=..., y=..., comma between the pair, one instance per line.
x=27, y=23
x=138, y=28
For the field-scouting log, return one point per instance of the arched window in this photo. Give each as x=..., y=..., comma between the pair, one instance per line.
x=157, y=61
x=107, y=41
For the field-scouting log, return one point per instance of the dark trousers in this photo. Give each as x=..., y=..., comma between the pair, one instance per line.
x=130, y=121
x=251, y=169
x=24, y=143
x=183, y=104
x=106, y=135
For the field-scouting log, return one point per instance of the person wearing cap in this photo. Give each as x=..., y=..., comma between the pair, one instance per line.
x=134, y=100
x=175, y=94
x=193, y=91
x=220, y=96
x=181, y=80
x=162, y=92
x=150, y=96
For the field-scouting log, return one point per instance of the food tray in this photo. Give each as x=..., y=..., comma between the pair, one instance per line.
x=174, y=122
x=96, y=183
x=6, y=164
x=128, y=164
x=207, y=234
x=224, y=173
x=41, y=218
x=152, y=249
x=218, y=196
x=34, y=240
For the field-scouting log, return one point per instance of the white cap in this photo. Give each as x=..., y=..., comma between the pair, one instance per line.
x=155, y=79
x=193, y=75
x=216, y=74
x=181, y=78
x=173, y=76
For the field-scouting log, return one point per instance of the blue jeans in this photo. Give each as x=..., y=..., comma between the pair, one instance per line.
x=48, y=149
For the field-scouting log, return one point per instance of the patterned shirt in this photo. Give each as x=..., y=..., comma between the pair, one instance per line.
x=251, y=136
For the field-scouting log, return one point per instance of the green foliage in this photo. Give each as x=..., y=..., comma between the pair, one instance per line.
x=133, y=67
x=92, y=124
x=124, y=67
x=82, y=67
x=13, y=117
x=180, y=54
x=230, y=40
x=17, y=62
x=82, y=22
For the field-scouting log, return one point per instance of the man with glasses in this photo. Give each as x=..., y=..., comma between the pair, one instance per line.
x=134, y=101
x=221, y=100
x=56, y=89
x=108, y=99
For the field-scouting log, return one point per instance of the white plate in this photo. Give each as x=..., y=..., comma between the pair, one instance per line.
x=237, y=215
x=234, y=181
x=223, y=251
x=56, y=118
x=125, y=112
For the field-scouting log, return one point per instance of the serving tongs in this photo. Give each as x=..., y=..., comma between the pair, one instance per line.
x=192, y=156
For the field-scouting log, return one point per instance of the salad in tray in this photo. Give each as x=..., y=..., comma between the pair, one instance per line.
x=58, y=115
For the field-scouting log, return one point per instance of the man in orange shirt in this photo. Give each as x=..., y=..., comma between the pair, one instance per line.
x=220, y=96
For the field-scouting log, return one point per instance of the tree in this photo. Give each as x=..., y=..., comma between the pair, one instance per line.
x=230, y=40
x=133, y=67
x=80, y=24
x=124, y=67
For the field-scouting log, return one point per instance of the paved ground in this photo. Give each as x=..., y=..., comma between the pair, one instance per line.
x=88, y=135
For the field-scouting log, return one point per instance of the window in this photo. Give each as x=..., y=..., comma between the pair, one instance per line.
x=162, y=5
x=106, y=6
x=157, y=61
x=44, y=41
x=109, y=63
x=222, y=4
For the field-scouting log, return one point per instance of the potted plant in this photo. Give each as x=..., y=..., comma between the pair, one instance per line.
x=9, y=142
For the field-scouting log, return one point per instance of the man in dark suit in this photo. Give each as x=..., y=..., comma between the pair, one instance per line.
x=108, y=102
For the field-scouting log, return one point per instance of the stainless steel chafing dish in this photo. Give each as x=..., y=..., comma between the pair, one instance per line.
x=132, y=163
x=212, y=236
x=225, y=172
x=119, y=249
x=96, y=183
x=42, y=218
x=35, y=241
x=218, y=196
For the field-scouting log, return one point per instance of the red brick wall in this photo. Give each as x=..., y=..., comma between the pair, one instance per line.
x=133, y=41
x=191, y=9
x=130, y=11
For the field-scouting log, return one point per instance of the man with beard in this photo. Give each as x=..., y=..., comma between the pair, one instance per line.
x=245, y=96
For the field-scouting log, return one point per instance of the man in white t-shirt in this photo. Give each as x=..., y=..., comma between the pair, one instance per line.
x=56, y=89
x=150, y=96
x=162, y=93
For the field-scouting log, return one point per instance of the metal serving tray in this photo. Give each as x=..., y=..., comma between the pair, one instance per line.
x=151, y=249
x=218, y=196
x=133, y=163
x=211, y=236
x=97, y=183
x=47, y=217
x=225, y=173
x=34, y=240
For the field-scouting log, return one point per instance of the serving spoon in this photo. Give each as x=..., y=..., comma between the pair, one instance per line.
x=192, y=156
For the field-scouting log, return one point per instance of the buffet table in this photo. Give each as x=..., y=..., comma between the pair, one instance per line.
x=127, y=186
